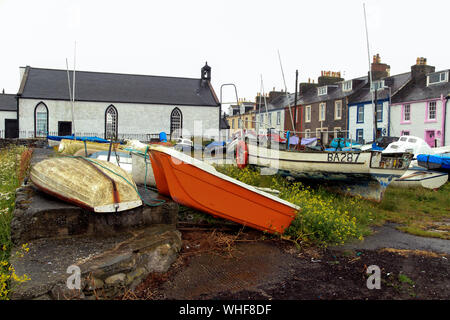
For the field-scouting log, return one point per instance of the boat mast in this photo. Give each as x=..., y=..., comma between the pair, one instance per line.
x=68, y=82
x=370, y=76
x=73, y=91
x=285, y=89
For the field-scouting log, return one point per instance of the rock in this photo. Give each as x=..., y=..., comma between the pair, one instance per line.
x=116, y=279
x=137, y=274
x=93, y=283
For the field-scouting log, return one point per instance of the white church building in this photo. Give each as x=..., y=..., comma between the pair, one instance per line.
x=116, y=105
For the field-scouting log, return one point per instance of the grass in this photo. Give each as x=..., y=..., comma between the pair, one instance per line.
x=420, y=211
x=14, y=163
x=329, y=218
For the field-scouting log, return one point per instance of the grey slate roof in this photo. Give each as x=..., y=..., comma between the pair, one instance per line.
x=114, y=87
x=8, y=102
x=418, y=90
x=395, y=82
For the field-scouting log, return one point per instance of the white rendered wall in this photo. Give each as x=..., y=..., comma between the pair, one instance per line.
x=132, y=118
x=418, y=124
x=367, y=125
x=6, y=115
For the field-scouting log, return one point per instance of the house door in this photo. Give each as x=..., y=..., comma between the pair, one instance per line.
x=430, y=138
x=11, y=128
x=379, y=133
x=64, y=128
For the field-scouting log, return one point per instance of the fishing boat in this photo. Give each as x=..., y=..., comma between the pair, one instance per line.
x=365, y=174
x=93, y=184
x=198, y=185
x=422, y=172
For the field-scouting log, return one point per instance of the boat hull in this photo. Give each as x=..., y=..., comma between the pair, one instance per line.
x=419, y=177
x=140, y=164
x=192, y=183
x=86, y=184
x=365, y=174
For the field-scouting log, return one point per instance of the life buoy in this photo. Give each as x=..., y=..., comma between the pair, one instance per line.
x=241, y=154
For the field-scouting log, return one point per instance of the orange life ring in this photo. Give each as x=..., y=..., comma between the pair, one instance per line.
x=241, y=154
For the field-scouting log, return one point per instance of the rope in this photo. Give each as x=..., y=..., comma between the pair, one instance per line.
x=159, y=201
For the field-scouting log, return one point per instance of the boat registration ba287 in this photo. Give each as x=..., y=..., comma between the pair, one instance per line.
x=343, y=157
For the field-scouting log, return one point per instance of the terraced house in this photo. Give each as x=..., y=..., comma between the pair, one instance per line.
x=361, y=111
x=420, y=107
x=325, y=107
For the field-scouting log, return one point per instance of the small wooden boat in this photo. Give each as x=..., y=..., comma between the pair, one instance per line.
x=198, y=185
x=96, y=185
x=420, y=177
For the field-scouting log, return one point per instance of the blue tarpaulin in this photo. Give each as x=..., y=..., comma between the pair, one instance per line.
x=71, y=137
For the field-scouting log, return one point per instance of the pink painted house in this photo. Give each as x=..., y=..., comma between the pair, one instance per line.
x=420, y=107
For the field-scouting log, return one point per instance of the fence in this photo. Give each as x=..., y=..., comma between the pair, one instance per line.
x=144, y=137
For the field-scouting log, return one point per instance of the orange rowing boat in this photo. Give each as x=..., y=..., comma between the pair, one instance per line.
x=198, y=185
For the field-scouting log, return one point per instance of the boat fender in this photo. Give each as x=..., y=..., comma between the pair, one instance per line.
x=241, y=154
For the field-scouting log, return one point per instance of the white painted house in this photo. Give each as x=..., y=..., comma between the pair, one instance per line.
x=361, y=108
x=8, y=115
x=116, y=105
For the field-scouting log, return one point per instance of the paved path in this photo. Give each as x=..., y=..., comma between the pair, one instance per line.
x=388, y=236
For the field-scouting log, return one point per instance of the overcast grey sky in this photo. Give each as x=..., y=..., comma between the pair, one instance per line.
x=238, y=38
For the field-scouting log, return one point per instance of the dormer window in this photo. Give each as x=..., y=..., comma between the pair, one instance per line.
x=377, y=85
x=322, y=91
x=347, y=85
x=437, y=77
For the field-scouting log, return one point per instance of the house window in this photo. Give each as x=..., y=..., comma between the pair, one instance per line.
x=338, y=110
x=176, y=123
x=360, y=114
x=308, y=133
x=437, y=77
x=322, y=111
x=376, y=85
x=308, y=114
x=232, y=123
x=379, y=112
x=405, y=133
x=111, y=127
x=261, y=119
x=360, y=136
x=41, y=120
x=270, y=119
x=407, y=113
x=322, y=91
x=278, y=117
x=432, y=110
x=347, y=86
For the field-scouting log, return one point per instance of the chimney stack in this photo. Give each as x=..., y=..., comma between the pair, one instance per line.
x=379, y=70
x=421, y=69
